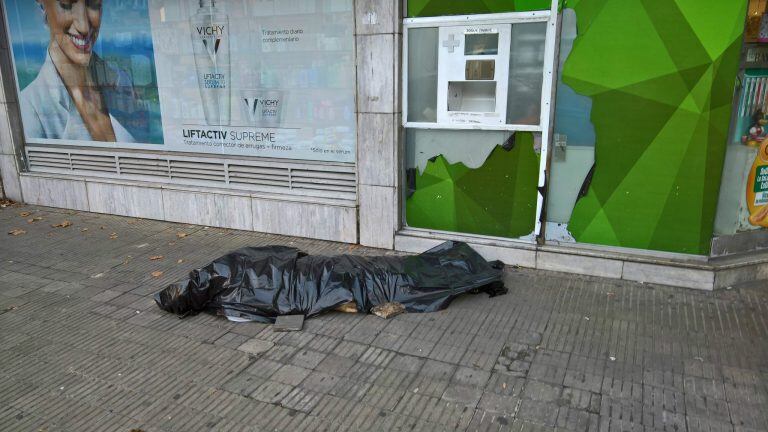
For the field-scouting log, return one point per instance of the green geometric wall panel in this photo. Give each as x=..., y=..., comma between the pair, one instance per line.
x=427, y=8
x=661, y=75
x=497, y=199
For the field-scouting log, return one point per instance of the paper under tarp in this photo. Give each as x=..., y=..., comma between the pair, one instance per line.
x=262, y=283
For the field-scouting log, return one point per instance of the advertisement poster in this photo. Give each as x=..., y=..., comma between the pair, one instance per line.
x=261, y=78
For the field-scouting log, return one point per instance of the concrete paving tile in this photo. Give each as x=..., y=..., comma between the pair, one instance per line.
x=281, y=353
x=350, y=350
x=406, y=363
x=426, y=385
x=335, y=365
x=377, y=356
x=385, y=398
x=263, y=368
x=500, y=404
x=542, y=391
x=745, y=393
x=349, y=389
x=447, y=353
x=291, y=375
x=271, y=392
x=388, y=341
x=364, y=372
x=106, y=296
x=320, y=382
x=301, y=399
x=581, y=400
x=577, y=420
x=256, y=346
x=703, y=424
x=505, y=385
x=542, y=413
x=416, y=347
x=464, y=395
x=308, y=359
x=471, y=377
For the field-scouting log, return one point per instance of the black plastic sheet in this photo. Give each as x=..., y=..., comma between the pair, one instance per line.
x=262, y=283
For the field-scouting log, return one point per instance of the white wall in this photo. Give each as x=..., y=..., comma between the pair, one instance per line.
x=10, y=129
x=379, y=41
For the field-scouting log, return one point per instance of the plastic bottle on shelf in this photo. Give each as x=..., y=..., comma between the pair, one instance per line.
x=757, y=188
x=762, y=35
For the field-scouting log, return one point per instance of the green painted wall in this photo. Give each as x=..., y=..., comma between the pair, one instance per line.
x=496, y=199
x=661, y=76
x=426, y=8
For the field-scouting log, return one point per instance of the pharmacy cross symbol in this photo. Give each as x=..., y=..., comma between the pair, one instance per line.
x=451, y=43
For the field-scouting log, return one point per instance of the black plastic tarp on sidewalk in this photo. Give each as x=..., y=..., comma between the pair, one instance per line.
x=262, y=283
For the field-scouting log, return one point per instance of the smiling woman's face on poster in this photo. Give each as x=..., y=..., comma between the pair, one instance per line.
x=77, y=62
x=74, y=27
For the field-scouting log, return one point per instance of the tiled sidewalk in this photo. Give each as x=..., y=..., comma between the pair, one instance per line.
x=84, y=348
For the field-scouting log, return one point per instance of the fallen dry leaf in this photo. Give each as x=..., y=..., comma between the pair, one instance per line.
x=24, y=214
x=181, y=235
x=64, y=224
x=156, y=258
x=34, y=219
x=179, y=261
x=171, y=243
x=157, y=274
x=17, y=232
x=113, y=236
x=84, y=230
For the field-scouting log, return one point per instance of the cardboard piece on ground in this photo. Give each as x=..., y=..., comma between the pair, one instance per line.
x=286, y=323
x=388, y=310
x=350, y=307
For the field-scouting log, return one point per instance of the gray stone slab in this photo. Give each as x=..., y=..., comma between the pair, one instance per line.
x=289, y=323
x=256, y=346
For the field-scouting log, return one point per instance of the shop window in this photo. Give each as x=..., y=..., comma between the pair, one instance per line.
x=479, y=79
x=743, y=201
x=640, y=134
x=477, y=100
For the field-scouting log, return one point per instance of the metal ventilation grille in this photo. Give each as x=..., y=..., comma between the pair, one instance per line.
x=262, y=175
x=100, y=163
x=322, y=180
x=47, y=160
x=198, y=171
x=143, y=167
x=295, y=178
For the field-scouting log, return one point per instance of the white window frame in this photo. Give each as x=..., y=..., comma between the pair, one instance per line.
x=547, y=90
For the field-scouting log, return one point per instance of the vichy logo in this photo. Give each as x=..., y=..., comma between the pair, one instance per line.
x=211, y=44
x=212, y=50
x=217, y=30
x=268, y=107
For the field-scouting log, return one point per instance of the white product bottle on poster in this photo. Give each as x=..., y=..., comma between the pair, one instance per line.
x=210, y=39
